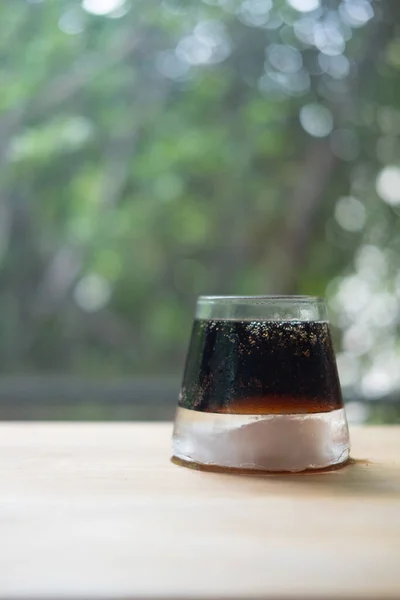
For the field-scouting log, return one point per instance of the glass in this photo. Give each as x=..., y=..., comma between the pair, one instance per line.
x=261, y=389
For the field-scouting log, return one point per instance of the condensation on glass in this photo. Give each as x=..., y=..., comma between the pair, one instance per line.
x=260, y=389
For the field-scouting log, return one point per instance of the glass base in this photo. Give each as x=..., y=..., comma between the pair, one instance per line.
x=291, y=443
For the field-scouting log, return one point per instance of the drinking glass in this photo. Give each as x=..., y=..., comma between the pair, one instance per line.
x=260, y=388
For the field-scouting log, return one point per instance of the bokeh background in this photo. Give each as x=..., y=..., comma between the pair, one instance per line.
x=154, y=150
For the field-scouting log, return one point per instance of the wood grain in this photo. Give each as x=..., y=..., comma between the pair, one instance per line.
x=98, y=511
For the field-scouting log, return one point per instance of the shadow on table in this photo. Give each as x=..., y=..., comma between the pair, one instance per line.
x=358, y=478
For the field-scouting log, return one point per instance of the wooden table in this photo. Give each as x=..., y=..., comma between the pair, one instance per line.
x=98, y=511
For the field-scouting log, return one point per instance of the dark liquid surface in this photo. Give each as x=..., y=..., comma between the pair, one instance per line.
x=261, y=367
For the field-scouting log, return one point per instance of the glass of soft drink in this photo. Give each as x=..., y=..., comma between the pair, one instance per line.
x=261, y=390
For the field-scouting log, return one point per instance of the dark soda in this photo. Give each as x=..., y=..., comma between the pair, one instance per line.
x=261, y=367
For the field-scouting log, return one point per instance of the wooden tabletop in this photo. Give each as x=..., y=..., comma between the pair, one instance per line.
x=98, y=511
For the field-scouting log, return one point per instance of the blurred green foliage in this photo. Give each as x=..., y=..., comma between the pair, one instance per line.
x=165, y=149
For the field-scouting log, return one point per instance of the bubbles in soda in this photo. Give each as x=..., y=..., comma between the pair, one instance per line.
x=261, y=367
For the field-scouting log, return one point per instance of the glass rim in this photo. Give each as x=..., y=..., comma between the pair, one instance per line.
x=262, y=308
x=261, y=299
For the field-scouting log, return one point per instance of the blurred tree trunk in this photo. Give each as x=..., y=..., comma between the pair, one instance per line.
x=290, y=249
